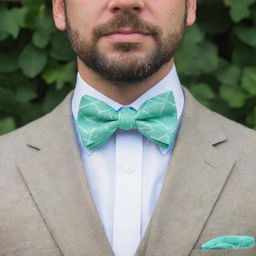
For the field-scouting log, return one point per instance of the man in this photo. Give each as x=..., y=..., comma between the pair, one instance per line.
x=129, y=163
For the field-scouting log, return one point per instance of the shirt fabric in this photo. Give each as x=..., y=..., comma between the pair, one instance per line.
x=126, y=173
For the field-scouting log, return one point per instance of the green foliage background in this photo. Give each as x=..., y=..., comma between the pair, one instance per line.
x=217, y=60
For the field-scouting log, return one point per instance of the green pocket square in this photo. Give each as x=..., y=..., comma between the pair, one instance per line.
x=228, y=243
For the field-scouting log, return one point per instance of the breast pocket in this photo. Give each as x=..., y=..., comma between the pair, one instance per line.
x=250, y=251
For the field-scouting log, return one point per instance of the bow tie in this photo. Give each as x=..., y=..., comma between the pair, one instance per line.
x=156, y=119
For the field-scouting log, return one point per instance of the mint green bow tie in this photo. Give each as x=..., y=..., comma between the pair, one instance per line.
x=156, y=119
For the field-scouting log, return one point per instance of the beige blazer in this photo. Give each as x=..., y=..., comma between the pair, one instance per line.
x=46, y=208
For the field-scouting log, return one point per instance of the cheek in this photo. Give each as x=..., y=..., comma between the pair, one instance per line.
x=81, y=25
x=169, y=13
x=82, y=16
x=89, y=12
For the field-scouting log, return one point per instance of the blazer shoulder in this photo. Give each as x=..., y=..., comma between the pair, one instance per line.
x=237, y=130
x=217, y=128
x=13, y=143
x=239, y=137
x=37, y=128
x=13, y=139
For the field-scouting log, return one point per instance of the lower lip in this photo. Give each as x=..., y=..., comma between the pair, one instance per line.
x=126, y=37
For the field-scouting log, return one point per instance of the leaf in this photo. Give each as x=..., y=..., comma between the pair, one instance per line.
x=19, y=14
x=7, y=125
x=31, y=18
x=239, y=9
x=193, y=35
x=8, y=23
x=208, y=21
x=188, y=49
x=8, y=62
x=32, y=61
x=44, y=29
x=53, y=97
x=63, y=53
x=199, y=59
x=60, y=75
x=25, y=94
x=67, y=75
x=246, y=34
x=33, y=3
x=3, y=36
x=229, y=75
x=233, y=95
x=41, y=38
x=243, y=56
x=184, y=58
x=207, y=59
x=249, y=80
x=45, y=22
x=203, y=92
x=6, y=99
x=251, y=119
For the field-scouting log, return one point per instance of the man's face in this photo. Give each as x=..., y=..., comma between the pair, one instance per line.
x=124, y=40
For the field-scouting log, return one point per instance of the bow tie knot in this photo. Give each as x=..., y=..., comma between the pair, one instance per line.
x=127, y=119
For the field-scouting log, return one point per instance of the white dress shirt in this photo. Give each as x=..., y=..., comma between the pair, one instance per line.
x=126, y=173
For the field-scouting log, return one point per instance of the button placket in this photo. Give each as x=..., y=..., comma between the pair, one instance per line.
x=128, y=189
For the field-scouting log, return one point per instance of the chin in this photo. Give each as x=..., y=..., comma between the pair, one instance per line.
x=128, y=60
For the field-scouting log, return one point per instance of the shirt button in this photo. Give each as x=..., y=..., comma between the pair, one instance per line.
x=129, y=169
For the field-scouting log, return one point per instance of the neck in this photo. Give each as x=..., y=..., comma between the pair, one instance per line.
x=122, y=93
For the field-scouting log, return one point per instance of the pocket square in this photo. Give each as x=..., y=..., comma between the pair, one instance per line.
x=228, y=243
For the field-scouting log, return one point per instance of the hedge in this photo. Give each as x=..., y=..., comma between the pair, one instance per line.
x=217, y=60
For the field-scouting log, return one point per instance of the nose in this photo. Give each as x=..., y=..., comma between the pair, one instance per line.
x=135, y=6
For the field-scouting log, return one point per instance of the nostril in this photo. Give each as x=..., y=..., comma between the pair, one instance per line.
x=116, y=9
x=136, y=8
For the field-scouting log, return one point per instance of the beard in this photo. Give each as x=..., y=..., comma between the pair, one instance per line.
x=127, y=68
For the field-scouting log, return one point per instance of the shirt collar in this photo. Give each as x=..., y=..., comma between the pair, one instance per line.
x=170, y=82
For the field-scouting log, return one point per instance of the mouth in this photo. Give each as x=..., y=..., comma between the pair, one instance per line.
x=126, y=35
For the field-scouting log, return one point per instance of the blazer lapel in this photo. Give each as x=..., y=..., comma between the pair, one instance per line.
x=198, y=171
x=54, y=174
